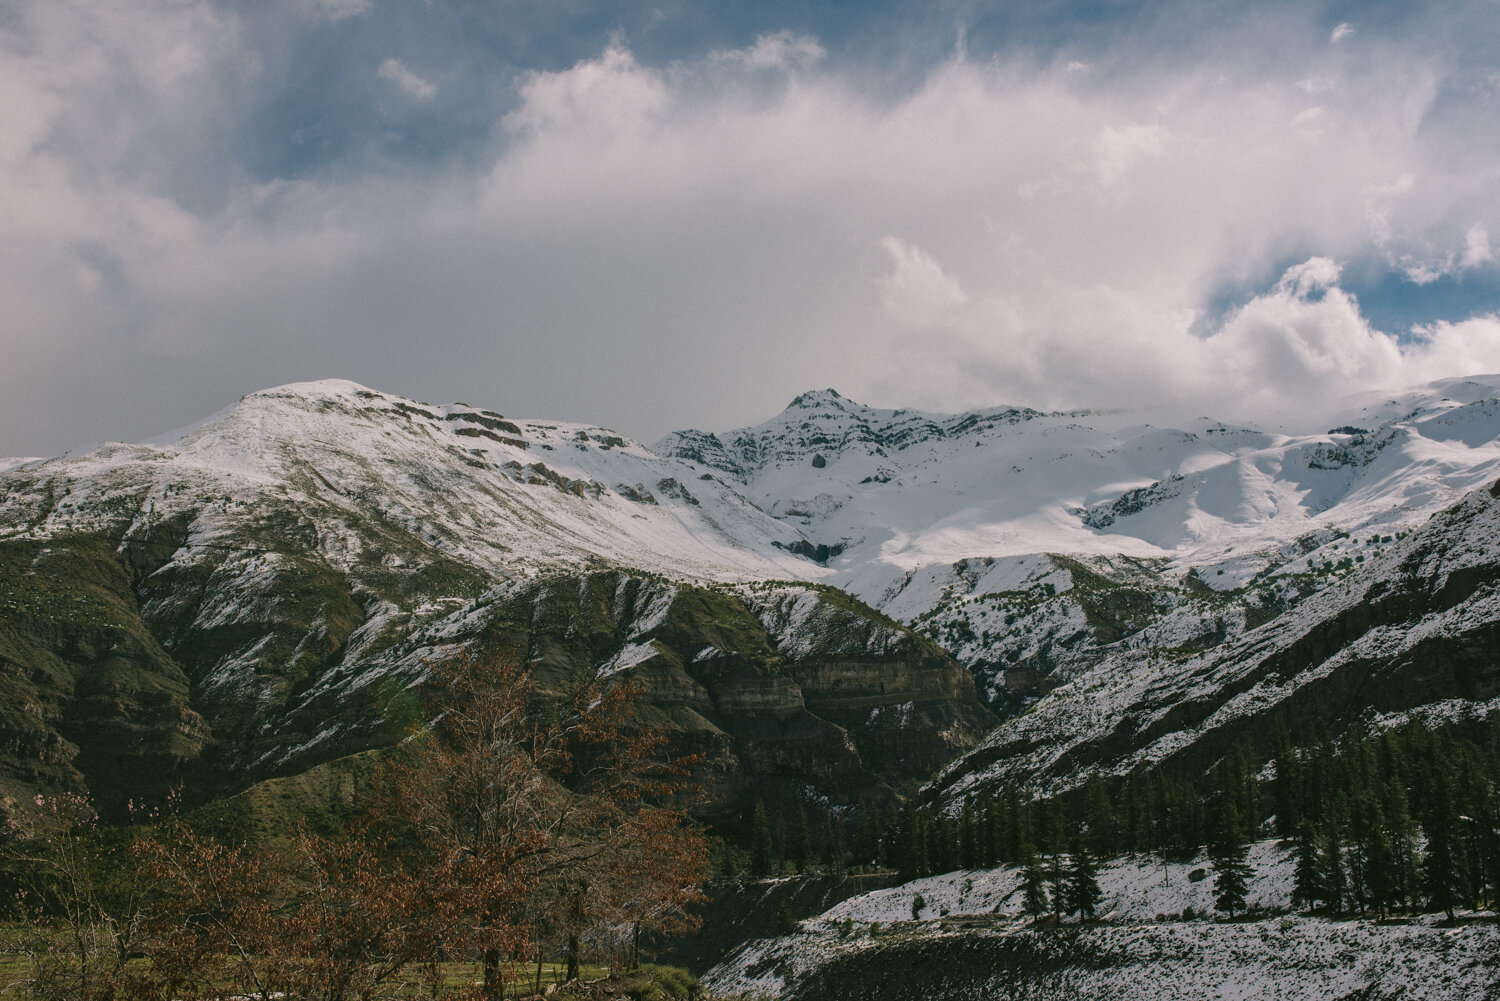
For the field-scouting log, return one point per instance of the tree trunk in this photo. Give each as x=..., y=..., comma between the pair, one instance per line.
x=572, y=955
x=494, y=986
x=635, y=948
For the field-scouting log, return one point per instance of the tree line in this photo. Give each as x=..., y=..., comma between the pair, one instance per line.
x=507, y=828
x=1381, y=820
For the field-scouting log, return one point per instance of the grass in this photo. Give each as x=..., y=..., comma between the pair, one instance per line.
x=649, y=983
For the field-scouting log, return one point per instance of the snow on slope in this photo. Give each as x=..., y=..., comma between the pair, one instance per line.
x=354, y=465
x=1402, y=629
x=1131, y=890
x=1157, y=940
x=907, y=494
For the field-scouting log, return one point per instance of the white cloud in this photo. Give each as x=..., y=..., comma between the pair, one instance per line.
x=779, y=50
x=338, y=10
x=1341, y=32
x=1476, y=248
x=1120, y=149
x=397, y=73
x=696, y=242
x=915, y=290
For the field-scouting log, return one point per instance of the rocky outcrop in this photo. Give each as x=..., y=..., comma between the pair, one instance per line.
x=784, y=690
x=127, y=671
x=90, y=701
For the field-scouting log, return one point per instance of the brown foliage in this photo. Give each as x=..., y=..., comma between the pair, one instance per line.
x=566, y=798
x=507, y=818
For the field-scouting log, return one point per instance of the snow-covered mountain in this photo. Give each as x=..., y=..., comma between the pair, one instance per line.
x=237, y=600
x=1022, y=540
x=243, y=582
x=897, y=492
x=347, y=465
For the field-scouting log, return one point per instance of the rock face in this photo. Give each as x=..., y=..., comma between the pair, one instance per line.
x=88, y=696
x=784, y=690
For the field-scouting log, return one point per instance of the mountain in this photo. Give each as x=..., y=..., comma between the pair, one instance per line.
x=810, y=603
x=1407, y=629
x=1025, y=542
x=248, y=597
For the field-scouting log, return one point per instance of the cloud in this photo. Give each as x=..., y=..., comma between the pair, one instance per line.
x=694, y=240
x=1477, y=250
x=915, y=290
x=396, y=72
x=338, y=10
x=1120, y=149
x=1341, y=32
x=779, y=50
x=1279, y=356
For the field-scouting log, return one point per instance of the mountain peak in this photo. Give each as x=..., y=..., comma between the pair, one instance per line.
x=817, y=398
x=316, y=389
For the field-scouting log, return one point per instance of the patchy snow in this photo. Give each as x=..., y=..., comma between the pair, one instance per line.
x=630, y=655
x=1142, y=949
x=1131, y=890
x=1141, y=684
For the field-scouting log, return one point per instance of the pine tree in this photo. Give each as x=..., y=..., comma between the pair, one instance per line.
x=911, y=861
x=1134, y=817
x=785, y=923
x=1083, y=891
x=866, y=837
x=943, y=846
x=1372, y=870
x=1331, y=873
x=1099, y=816
x=802, y=849
x=1054, y=836
x=968, y=838
x=1057, y=883
x=760, y=842
x=1232, y=872
x=1478, y=826
x=989, y=833
x=1401, y=829
x=1442, y=864
x=1222, y=811
x=1034, y=882
x=1286, y=792
x=829, y=857
x=1015, y=832
x=1307, y=876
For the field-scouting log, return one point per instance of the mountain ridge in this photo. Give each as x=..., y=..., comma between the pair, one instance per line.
x=280, y=559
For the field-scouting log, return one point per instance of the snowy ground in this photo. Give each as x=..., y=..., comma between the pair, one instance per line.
x=1132, y=891
x=970, y=941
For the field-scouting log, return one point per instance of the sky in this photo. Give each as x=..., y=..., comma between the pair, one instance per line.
x=665, y=214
